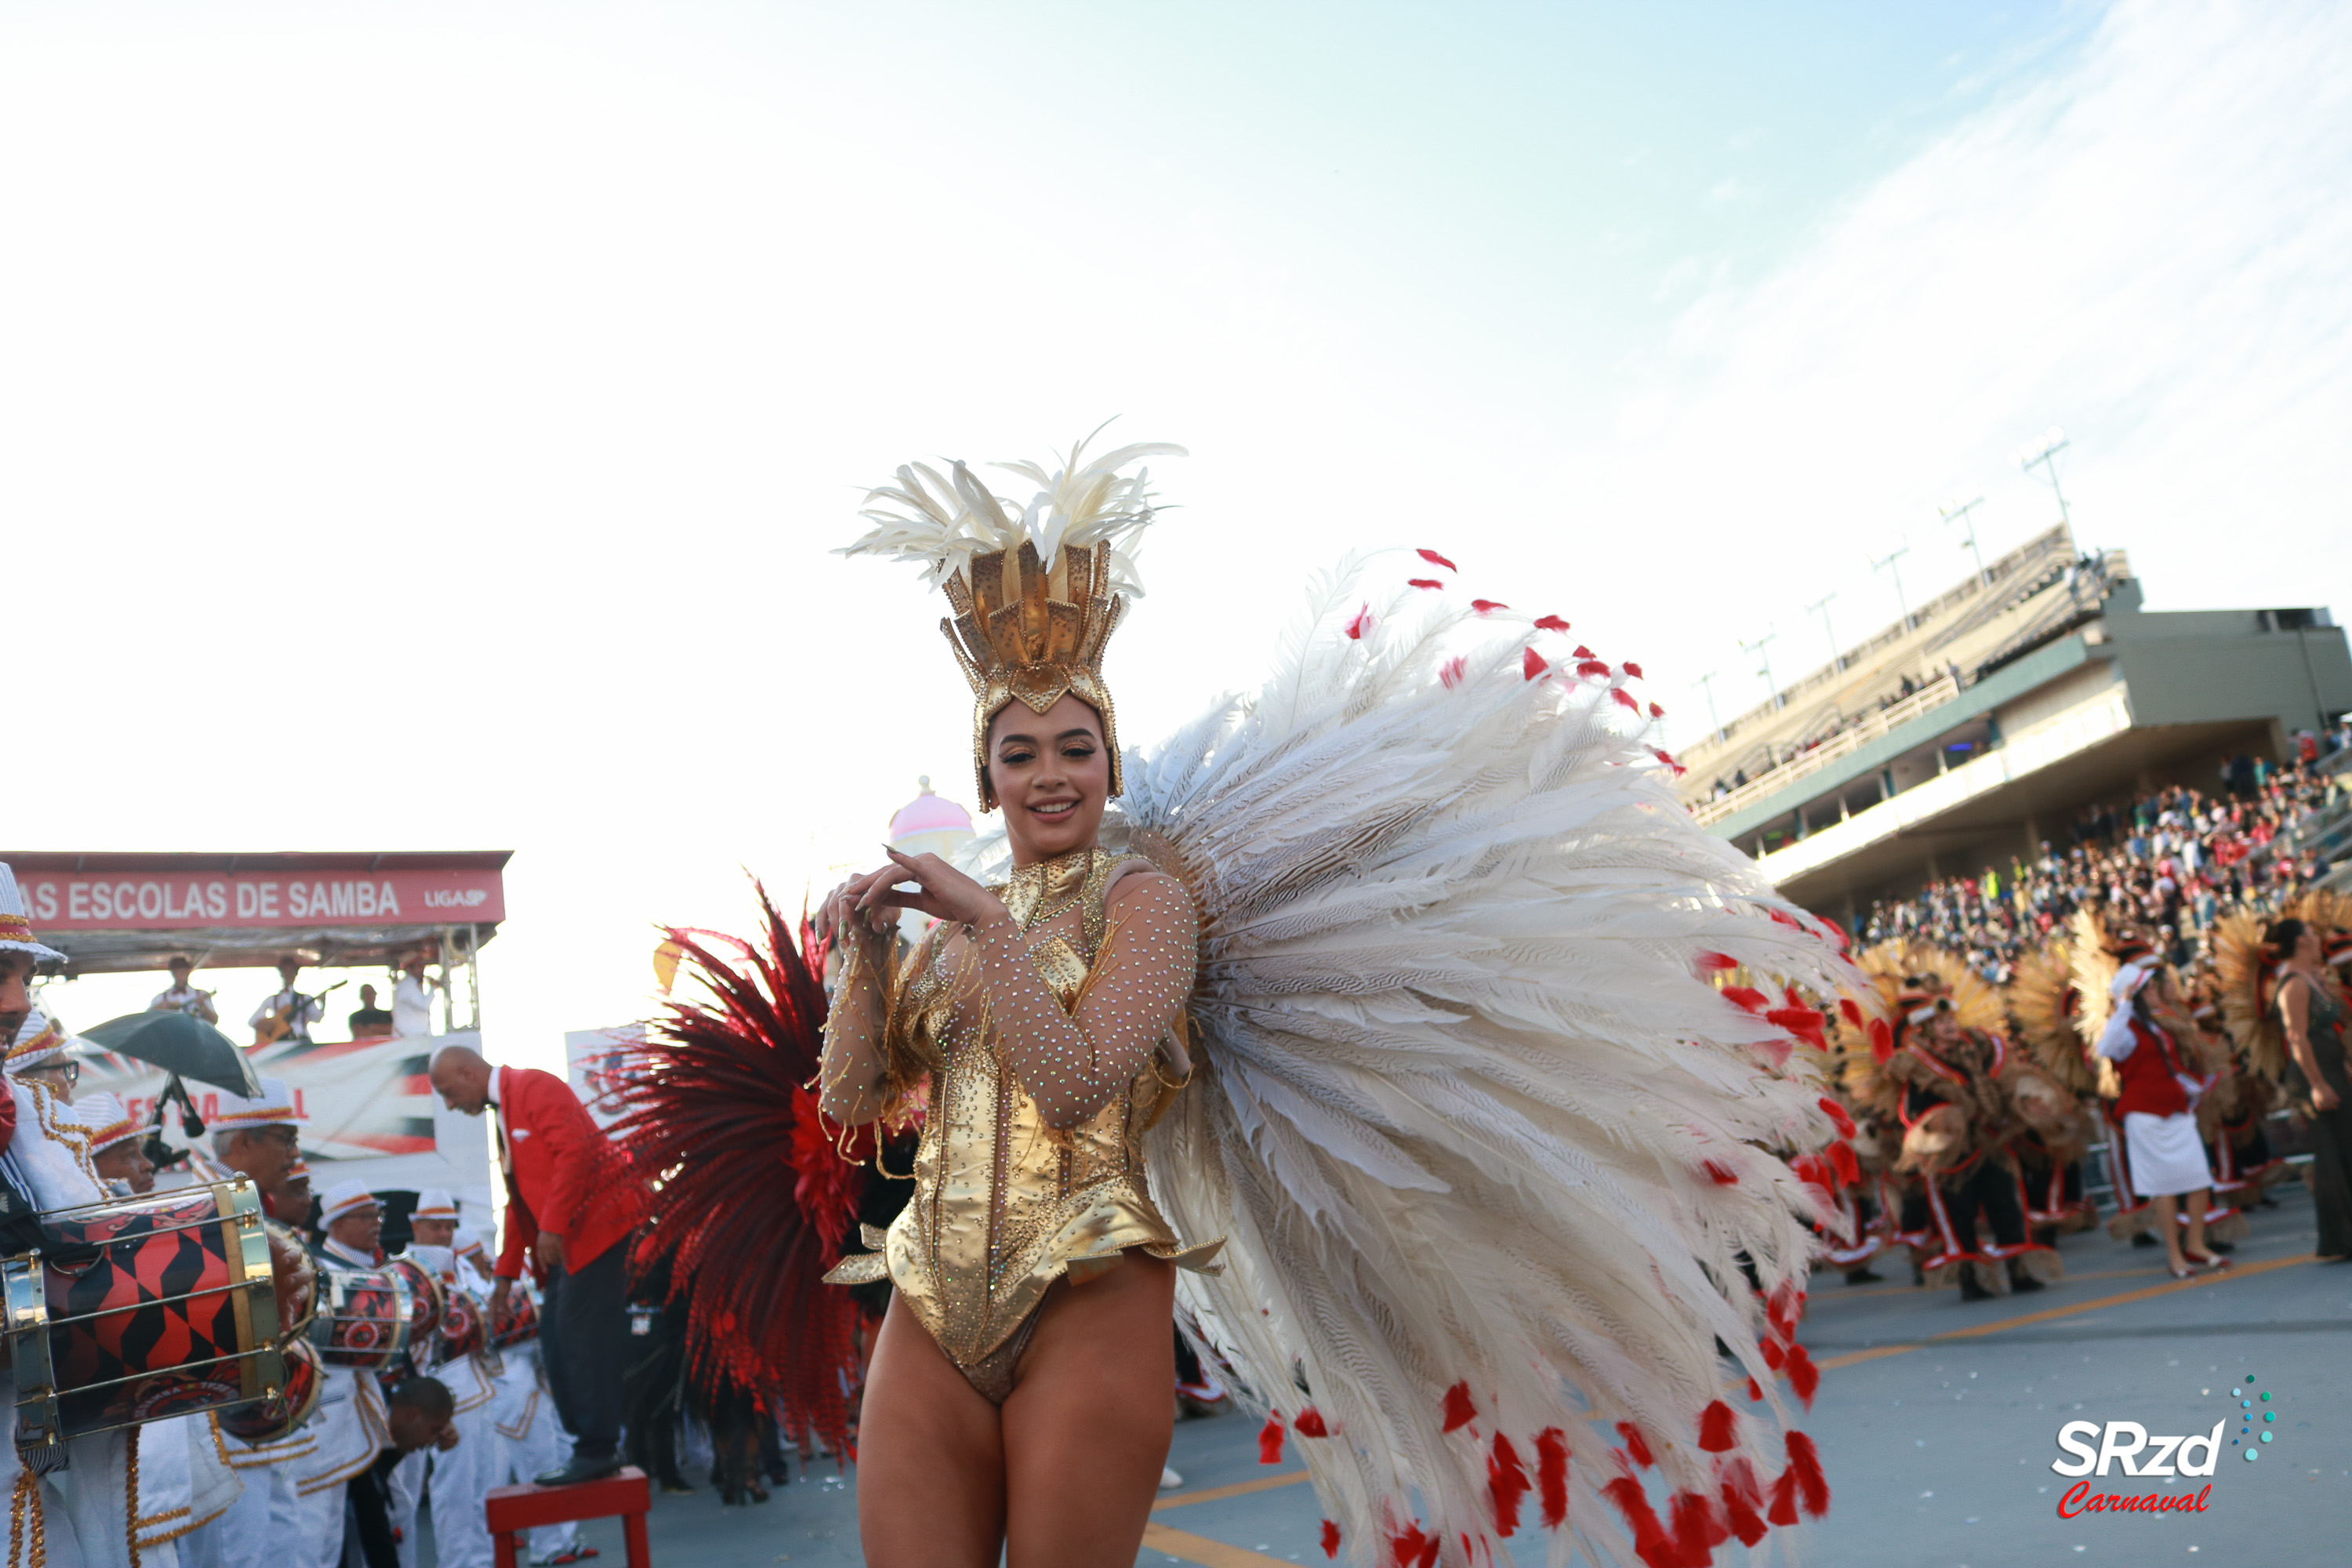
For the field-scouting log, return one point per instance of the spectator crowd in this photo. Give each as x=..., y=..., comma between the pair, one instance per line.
x=2171, y=862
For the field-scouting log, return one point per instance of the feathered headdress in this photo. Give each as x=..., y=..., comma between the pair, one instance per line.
x=1036, y=591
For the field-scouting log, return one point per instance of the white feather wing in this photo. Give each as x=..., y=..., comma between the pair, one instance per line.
x=1460, y=1080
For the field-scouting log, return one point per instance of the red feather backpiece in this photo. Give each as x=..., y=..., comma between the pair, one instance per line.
x=752, y=1196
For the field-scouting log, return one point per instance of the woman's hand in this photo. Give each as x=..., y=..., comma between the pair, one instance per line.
x=940, y=891
x=848, y=920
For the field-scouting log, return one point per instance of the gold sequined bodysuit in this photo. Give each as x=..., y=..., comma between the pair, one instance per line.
x=1005, y=1201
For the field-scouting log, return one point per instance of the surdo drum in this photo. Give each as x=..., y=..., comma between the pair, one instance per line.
x=425, y=1294
x=179, y=1311
x=521, y=1324
x=365, y=1315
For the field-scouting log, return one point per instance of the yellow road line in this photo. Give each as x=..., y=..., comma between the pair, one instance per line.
x=1239, y=1488
x=1201, y=1550
x=1977, y=1331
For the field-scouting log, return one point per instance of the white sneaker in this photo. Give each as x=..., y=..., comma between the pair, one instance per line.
x=1169, y=1479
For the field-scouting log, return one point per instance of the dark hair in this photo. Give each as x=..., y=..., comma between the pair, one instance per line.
x=2283, y=937
x=429, y=1394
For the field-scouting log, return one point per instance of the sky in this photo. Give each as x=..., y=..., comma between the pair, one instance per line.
x=427, y=426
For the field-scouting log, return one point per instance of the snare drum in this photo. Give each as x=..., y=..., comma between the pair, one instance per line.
x=521, y=1324
x=177, y=1313
x=269, y=1419
x=425, y=1293
x=363, y=1317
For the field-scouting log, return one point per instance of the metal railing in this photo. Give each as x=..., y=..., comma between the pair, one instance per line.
x=1872, y=727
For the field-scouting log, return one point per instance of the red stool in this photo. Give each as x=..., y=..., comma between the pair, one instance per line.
x=513, y=1509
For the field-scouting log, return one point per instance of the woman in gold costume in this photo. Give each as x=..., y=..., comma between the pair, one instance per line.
x=1019, y=1396
x=1393, y=1069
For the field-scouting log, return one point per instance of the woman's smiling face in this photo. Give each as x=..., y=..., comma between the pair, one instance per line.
x=1051, y=774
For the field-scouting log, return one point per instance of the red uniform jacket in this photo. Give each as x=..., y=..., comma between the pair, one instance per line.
x=562, y=1173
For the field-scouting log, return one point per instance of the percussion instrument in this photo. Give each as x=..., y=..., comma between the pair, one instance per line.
x=275, y=1416
x=425, y=1291
x=363, y=1317
x=521, y=1324
x=178, y=1311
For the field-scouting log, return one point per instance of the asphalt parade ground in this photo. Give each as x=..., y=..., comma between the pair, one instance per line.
x=1938, y=1422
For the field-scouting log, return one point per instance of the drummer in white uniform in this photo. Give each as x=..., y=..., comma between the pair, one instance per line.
x=258, y=1138
x=462, y=1477
x=531, y=1439
x=36, y=1505
x=352, y=1417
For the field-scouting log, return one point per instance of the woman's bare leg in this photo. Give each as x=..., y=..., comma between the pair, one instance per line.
x=1087, y=1427
x=2197, y=1202
x=2166, y=1207
x=930, y=1458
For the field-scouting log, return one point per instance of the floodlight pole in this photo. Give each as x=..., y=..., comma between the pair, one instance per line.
x=1706, y=689
x=2046, y=460
x=1960, y=514
x=1820, y=607
x=1757, y=647
x=1889, y=565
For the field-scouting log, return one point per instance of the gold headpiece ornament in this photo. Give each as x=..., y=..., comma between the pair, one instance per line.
x=1036, y=591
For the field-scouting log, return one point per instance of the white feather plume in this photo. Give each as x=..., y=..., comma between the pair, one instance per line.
x=943, y=521
x=1461, y=1078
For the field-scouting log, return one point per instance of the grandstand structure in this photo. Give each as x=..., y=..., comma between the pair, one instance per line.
x=1980, y=723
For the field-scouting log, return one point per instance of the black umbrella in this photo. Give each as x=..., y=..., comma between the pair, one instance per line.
x=180, y=1043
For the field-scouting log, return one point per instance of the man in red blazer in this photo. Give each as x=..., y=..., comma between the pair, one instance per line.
x=571, y=1204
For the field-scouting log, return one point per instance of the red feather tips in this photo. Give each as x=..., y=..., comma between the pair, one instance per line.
x=1714, y=1428
x=1783, y=1509
x=1533, y=666
x=1805, y=1378
x=1650, y=1542
x=1269, y=1440
x=1359, y=623
x=1423, y=583
x=1330, y=1539
x=1435, y=559
x=1310, y=1424
x=1715, y=961
x=1721, y=1175
x=1656, y=711
x=1838, y=1115
x=1668, y=757
x=1590, y=667
x=1746, y=996
x=1412, y=1548
x=1637, y=1447
x=1459, y=1411
x=1774, y=1356
x=1842, y=1161
x=1450, y=673
x=1882, y=1039
x=1803, y=1023
x=1507, y=1485
x=1488, y=606
x=1551, y=1476
x=1625, y=699
x=1633, y=670
x=1584, y=652
x=1755, y=1392
x=1740, y=1496
x=1698, y=1531
x=1550, y=623
x=1805, y=1465
x=1853, y=1011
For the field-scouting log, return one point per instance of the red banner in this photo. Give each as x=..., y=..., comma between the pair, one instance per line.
x=68, y=902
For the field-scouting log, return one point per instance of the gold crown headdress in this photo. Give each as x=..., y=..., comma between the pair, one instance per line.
x=1036, y=591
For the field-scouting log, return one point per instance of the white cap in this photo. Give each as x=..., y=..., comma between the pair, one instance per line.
x=42, y=1042
x=433, y=1204
x=344, y=1199
x=273, y=1106
x=2131, y=977
x=16, y=930
x=109, y=1122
